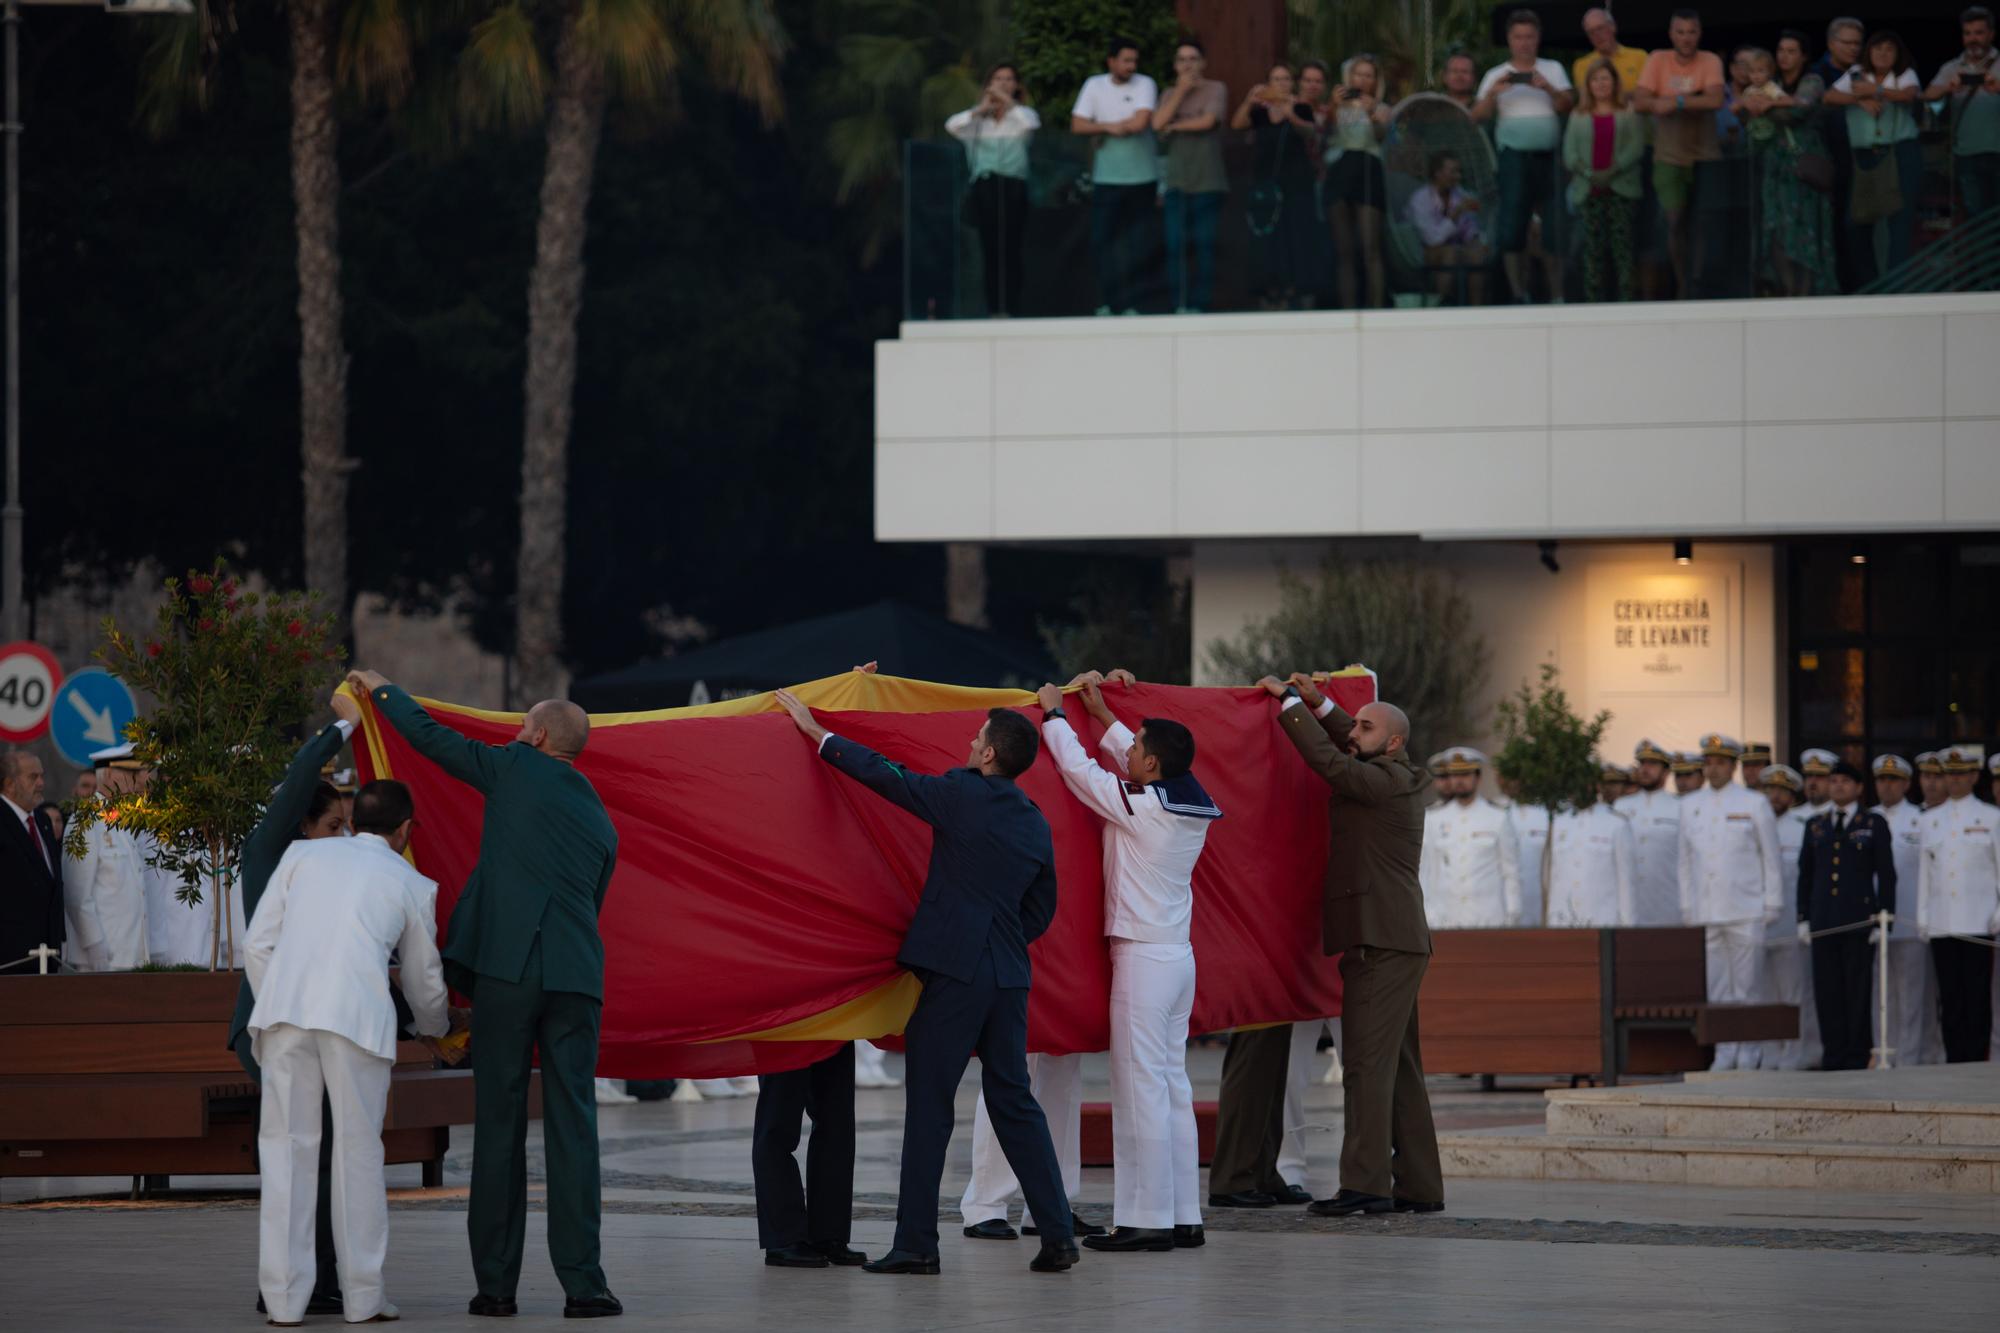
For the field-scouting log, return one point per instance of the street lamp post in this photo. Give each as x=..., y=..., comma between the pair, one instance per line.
x=12, y=624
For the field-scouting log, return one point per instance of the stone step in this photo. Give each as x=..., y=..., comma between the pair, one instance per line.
x=1518, y=1154
x=1771, y=1120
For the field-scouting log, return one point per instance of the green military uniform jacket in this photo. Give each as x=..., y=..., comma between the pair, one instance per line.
x=266, y=845
x=1375, y=821
x=546, y=853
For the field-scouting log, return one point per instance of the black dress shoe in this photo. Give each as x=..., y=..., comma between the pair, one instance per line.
x=904, y=1261
x=1133, y=1240
x=1241, y=1199
x=1077, y=1227
x=601, y=1306
x=494, y=1307
x=838, y=1252
x=1291, y=1194
x=1190, y=1237
x=322, y=1303
x=1412, y=1206
x=1059, y=1257
x=1349, y=1202
x=795, y=1256
x=993, y=1228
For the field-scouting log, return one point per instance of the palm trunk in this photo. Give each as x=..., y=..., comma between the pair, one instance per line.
x=555, y=298
x=965, y=583
x=322, y=354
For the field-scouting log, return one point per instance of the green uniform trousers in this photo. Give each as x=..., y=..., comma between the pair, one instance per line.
x=1250, y=1112
x=1389, y=1146
x=512, y=1020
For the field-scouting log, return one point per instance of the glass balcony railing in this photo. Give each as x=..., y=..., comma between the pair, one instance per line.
x=1294, y=225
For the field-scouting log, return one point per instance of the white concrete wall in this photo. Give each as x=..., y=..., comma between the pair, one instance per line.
x=1530, y=616
x=1736, y=418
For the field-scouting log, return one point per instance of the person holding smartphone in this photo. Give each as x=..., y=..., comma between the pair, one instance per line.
x=1284, y=134
x=1353, y=189
x=1881, y=95
x=995, y=133
x=1527, y=97
x=1971, y=83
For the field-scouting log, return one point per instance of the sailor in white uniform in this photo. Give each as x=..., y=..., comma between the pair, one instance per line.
x=1914, y=1036
x=1470, y=864
x=1593, y=874
x=1958, y=906
x=1787, y=962
x=1730, y=883
x=104, y=890
x=1654, y=811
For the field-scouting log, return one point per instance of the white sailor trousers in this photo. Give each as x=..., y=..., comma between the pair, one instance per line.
x=298, y=1065
x=1154, y=1152
x=1057, y=1084
x=1735, y=952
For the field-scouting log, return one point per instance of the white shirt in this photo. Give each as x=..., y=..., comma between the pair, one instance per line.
x=1150, y=847
x=1525, y=116
x=1729, y=872
x=1592, y=875
x=1958, y=883
x=1906, y=831
x=1530, y=824
x=319, y=945
x=995, y=147
x=1656, y=837
x=1127, y=159
x=1470, y=867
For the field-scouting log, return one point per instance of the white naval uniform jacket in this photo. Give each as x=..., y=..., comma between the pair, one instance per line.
x=1791, y=841
x=1591, y=868
x=1152, y=839
x=319, y=944
x=1958, y=885
x=1531, y=834
x=1470, y=867
x=1906, y=829
x=104, y=901
x=1656, y=839
x=1729, y=867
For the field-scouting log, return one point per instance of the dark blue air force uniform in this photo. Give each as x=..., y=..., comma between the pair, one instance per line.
x=1847, y=873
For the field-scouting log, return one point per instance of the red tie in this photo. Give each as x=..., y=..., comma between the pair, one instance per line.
x=36, y=833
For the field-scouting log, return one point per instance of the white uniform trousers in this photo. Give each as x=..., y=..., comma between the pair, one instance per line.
x=1155, y=1156
x=1057, y=1084
x=298, y=1065
x=1735, y=976
x=1915, y=1036
x=1788, y=980
x=1292, y=1147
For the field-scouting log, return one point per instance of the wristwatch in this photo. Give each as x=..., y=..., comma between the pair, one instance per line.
x=1292, y=692
x=1053, y=714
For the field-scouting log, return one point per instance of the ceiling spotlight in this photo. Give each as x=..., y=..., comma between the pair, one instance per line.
x=1857, y=554
x=1549, y=557
x=1683, y=551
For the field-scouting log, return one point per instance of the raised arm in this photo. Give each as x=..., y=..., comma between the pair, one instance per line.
x=1340, y=770
x=472, y=762
x=421, y=978
x=925, y=796
x=289, y=803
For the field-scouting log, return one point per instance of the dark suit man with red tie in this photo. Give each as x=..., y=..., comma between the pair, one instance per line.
x=31, y=891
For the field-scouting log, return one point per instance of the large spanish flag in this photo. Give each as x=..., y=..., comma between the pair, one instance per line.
x=761, y=896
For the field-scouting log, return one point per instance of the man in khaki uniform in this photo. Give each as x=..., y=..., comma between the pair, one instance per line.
x=1373, y=917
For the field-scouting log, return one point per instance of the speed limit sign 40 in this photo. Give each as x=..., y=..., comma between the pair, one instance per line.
x=29, y=675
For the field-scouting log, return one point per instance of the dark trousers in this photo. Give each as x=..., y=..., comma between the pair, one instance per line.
x=1976, y=181
x=820, y=1208
x=516, y=1019
x=1901, y=226
x=1389, y=1145
x=326, y=1275
x=1840, y=992
x=999, y=208
x=1191, y=220
x=953, y=1020
x=1121, y=224
x=1250, y=1112
x=1965, y=998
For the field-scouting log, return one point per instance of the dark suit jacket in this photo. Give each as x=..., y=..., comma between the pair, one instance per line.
x=992, y=877
x=31, y=893
x=546, y=853
x=1850, y=877
x=266, y=845
x=1375, y=828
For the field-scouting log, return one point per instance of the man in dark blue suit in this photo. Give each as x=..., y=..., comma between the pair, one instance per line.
x=989, y=893
x=1847, y=873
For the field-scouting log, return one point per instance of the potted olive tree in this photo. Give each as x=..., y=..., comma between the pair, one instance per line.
x=1549, y=753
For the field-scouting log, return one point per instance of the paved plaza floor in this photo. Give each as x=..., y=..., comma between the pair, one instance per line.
x=680, y=1248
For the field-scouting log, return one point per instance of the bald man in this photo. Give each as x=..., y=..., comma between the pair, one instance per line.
x=523, y=943
x=1373, y=917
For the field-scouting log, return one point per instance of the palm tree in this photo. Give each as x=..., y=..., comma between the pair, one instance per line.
x=595, y=48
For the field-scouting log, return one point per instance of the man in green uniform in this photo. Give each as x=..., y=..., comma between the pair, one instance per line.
x=523, y=944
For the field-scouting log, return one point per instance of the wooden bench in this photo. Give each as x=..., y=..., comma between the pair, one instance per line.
x=1593, y=1003
x=129, y=1074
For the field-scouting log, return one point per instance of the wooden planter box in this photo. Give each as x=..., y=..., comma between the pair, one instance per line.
x=130, y=1074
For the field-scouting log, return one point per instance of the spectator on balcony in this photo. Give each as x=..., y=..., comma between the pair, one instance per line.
x=1526, y=97
x=995, y=133
x=1315, y=81
x=1600, y=29
x=1843, y=49
x=1602, y=149
x=1459, y=79
x=1794, y=176
x=1116, y=108
x=1447, y=222
x=1189, y=118
x=1354, y=190
x=1681, y=88
x=1881, y=95
x=1970, y=84
x=1284, y=134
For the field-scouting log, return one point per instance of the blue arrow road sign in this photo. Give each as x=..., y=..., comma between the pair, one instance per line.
x=89, y=714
